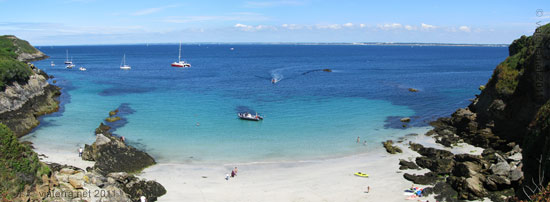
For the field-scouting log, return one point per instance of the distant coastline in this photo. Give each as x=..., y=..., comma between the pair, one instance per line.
x=301, y=44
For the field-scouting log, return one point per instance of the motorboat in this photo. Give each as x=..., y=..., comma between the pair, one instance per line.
x=249, y=116
x=70, y=66
x=180, y=63
x=82, y=68
x=52, y=64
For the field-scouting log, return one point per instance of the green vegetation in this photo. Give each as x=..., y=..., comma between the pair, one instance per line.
x=10, y=68
x=19, y=165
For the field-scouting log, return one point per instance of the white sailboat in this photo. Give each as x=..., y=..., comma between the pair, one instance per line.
x=67, y=58
x=52, y=64
x=123, y=65
x=180, y=63
x=70, y=64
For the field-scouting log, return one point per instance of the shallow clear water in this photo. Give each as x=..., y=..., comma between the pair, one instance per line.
x=189, y=115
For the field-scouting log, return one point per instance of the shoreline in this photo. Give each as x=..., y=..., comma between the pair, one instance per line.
x=329, y=179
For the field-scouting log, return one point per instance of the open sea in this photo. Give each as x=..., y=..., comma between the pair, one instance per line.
x=190, y=115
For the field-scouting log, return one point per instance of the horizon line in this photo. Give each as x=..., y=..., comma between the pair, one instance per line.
x=299, y=43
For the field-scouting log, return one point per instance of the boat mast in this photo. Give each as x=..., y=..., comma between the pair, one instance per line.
x=67, y=58
x=179, y=56
x=124, y=60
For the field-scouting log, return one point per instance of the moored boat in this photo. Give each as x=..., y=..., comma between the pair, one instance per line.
x=249, y=116
x=123, y=65
x=180, y=63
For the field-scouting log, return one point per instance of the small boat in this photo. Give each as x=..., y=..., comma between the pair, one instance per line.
x=82, y=68
x=249, y=116
x=180, y=63
x=359, y=174
x=67, y=59
x=70, y=66
x=123, y=65
x=52, y=64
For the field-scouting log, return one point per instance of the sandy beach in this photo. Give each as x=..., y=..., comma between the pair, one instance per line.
x=310, y=180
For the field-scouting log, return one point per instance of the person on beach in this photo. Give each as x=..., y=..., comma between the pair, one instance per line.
x=122, y=139
x=80, y=152
x=143, y=199
x=233, y=174
x=227, y=176
x=236, y=170
x=358, y=140
x=368, y=189
x=365, y=143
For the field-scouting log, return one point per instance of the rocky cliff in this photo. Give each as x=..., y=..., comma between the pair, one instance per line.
x=512, y=109
x=25, y=93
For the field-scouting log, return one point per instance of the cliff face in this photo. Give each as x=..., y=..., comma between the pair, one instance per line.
x=513, y=108
x=24, y=91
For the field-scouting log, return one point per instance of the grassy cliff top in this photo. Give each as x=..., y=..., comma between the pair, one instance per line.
x=11, y=69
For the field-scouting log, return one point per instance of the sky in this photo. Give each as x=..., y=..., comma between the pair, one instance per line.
x=88, y=22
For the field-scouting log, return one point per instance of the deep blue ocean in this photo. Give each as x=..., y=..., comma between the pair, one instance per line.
x=189, y=115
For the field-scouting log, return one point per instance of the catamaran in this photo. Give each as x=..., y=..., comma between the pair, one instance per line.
x=67, y=59
x=180, y=63
x=124, y=66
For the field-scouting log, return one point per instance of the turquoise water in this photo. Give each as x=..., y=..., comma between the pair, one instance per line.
x=189, y=115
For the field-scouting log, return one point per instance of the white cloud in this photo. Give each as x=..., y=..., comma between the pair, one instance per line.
x=427, y=26
x=390, y=26
x=465, y=29
x=349, y=24
x=408, y=27
x=331, y=26
x=249, y=28
x=152, y=10
x=362, y=25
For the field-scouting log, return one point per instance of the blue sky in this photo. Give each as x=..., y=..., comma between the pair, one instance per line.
x=69, y=22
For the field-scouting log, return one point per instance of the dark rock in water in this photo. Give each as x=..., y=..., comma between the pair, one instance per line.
x=327, y=70
x=102, y=129
x=113, y=155
x=407, y=165
x=426, y=179
x=390, y=148
x=414, y=90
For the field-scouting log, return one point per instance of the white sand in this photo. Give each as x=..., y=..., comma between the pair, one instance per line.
x=314, y=180
x=62, y=156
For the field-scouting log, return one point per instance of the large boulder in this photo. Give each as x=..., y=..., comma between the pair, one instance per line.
x=390, y=148
x=439, y=166
x=497, y=182
x=111, y=154
x=404, y=164
x=426, y=179
x=501, y=168
x=136, y=187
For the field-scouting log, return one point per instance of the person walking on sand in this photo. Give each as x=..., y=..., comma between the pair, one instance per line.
x=80, y=152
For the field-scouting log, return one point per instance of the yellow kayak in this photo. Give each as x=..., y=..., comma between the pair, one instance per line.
x=359, y=174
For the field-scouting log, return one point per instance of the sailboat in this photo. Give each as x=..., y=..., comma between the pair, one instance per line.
x=180, y=63
x=124, y=66
x=52, y=64
x=67, y=59
x=70, y=64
